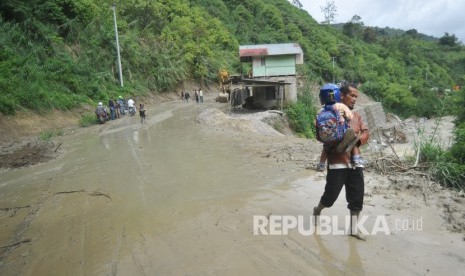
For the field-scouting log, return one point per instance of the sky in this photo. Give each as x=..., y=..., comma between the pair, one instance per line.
x=430, y=17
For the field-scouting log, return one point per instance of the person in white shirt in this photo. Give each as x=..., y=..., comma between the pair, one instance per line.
x=201, y=95
x=131, y=106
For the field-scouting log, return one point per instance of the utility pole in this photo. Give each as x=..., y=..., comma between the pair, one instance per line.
x=113, y=8
x=333, y=58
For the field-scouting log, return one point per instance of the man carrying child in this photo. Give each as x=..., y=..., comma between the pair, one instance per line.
x=342, y=170
x=346, y=139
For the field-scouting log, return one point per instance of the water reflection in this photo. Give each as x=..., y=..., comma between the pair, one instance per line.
x=105, y=141
x=353, y=264
x=135, y=136
x=326, y=257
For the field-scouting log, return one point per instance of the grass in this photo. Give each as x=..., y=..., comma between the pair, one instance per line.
x=442, y=165
x=279, y=126
x=48, y=134
x=88, y=120
x=301, y=115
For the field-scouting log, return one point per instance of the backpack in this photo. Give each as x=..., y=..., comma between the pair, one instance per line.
x=329, y=126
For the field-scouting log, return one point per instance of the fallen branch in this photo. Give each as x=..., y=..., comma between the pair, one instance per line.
x=57, y=147
x=397, y=118
x=100, y=194
x=6, y=209
x=94, y=193
x=418, y=173
x=418, y=155
x=70, y=192
x=394, y=151
x=15, y=244
x=396, y=165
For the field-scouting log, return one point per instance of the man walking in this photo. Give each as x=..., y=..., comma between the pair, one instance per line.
x=341, y=172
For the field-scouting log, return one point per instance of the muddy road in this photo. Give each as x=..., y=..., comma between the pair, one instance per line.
x=175, y=197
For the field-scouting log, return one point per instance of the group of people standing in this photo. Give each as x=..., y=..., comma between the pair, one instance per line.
x=117, y=108
x=198, y=95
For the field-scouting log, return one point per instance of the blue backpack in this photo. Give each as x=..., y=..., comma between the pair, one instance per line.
x=329, y=127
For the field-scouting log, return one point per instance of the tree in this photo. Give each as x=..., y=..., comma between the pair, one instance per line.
x=353, y=28
x=329, y=11
x=369, y=35
x=413, y=33
x=243, y=19
x=297, y=4
x=449, y=40
x=356, y=19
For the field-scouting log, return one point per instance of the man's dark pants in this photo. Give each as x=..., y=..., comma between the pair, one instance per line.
x=354, y=185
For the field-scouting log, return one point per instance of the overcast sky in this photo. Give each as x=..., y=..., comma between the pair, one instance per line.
x=431, y=17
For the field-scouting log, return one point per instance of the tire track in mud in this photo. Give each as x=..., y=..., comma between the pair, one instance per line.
x=136, y=148
x=18, y=237
x=140, y=180
x=116, y=253
x=137, y=260
x=18, y=233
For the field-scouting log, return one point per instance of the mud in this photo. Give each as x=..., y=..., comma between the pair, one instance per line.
x=178, y=196
x=21, y=154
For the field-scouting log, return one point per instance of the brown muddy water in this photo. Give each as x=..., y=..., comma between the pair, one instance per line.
x=171, y=198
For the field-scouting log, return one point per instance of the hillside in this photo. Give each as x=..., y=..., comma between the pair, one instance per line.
x=59, y=54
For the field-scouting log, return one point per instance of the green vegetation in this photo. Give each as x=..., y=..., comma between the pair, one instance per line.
x=278, y=126
x=447, y=166
x=60, y=54
x=301, y=115
x=88, y=120
x=443, y=166
x=455, y=156
x=48, y=134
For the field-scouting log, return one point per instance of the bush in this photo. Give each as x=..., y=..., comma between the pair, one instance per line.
x=457, y=150
x=301, y=116
x=442, y=165
x=88, y=120
x=48, y=134
x=7, y=106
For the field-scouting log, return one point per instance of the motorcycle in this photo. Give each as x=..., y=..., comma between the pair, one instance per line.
x=132, y=110
x=102, y=117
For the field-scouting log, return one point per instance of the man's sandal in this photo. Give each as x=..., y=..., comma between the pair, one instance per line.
x=352, y=144
x=349, y=136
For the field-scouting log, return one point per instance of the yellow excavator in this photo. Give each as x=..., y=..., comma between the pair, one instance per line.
x=223, y=75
